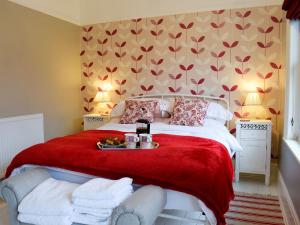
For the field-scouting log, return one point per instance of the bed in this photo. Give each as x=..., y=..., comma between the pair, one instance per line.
x=176, y=199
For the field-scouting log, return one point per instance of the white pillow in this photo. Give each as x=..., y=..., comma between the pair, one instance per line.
x=118, y=110
x=164, y=105
x=167, y=105
x=218, y=112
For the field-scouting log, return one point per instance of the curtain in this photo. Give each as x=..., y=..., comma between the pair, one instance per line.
x=293, y=9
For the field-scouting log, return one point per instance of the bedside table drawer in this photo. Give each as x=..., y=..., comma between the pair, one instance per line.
x=253, y=143
x=253, y=134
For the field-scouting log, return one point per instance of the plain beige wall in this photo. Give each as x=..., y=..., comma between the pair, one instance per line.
x=40, y=68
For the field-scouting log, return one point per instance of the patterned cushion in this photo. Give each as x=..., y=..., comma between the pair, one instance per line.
x=135, y=110
x=189, y=112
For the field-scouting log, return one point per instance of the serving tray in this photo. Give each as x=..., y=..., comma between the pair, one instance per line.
x=121, y=147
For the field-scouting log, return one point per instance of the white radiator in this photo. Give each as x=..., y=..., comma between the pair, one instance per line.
x=18, y=133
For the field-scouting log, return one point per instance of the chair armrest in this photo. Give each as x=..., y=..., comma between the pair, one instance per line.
x=15, y=188
x=142, y=208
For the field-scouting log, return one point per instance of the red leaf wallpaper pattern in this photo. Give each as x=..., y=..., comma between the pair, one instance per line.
x=224, y=53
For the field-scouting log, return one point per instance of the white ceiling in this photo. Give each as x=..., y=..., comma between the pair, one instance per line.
x=83, y=12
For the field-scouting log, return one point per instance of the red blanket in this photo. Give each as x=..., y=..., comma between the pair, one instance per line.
x=197, y=166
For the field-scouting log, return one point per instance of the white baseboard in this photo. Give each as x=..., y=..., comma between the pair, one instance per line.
x=287, y=207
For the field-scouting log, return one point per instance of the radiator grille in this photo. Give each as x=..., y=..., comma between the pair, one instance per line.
x=16, y=134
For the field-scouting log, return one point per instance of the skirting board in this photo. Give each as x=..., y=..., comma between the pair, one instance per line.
x=287, y=207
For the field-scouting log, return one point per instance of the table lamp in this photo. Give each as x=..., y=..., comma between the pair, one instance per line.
x=102, y=98
x=253, y=99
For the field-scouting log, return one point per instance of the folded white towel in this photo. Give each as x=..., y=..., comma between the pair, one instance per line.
x=106, y=204
x=116, y=195
x=44, y=220
x=95, y=212
x=50, y=198
x=89, y=220
x=101, y=189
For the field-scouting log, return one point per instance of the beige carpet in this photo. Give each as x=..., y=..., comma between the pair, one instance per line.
x=254, y=209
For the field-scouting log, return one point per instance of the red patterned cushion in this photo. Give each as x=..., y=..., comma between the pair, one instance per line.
x=137, y=109
x=189, y=112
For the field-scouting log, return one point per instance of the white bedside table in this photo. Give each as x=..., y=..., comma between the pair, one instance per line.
x=94, y=121
x=255, y=138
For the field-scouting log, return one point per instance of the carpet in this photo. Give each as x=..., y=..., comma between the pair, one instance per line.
x=254, y=209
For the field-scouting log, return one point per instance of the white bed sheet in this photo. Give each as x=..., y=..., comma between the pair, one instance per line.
x=211, y=129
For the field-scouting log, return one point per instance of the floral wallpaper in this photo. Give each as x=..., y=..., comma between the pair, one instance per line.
x=225, y=53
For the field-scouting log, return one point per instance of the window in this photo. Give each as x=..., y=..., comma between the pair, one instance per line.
x=292, y=123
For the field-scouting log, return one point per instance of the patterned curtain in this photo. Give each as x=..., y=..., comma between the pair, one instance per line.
x=293, y=9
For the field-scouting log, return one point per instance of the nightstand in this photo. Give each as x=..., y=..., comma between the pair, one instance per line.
x=255, y=138
x=94, y=121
